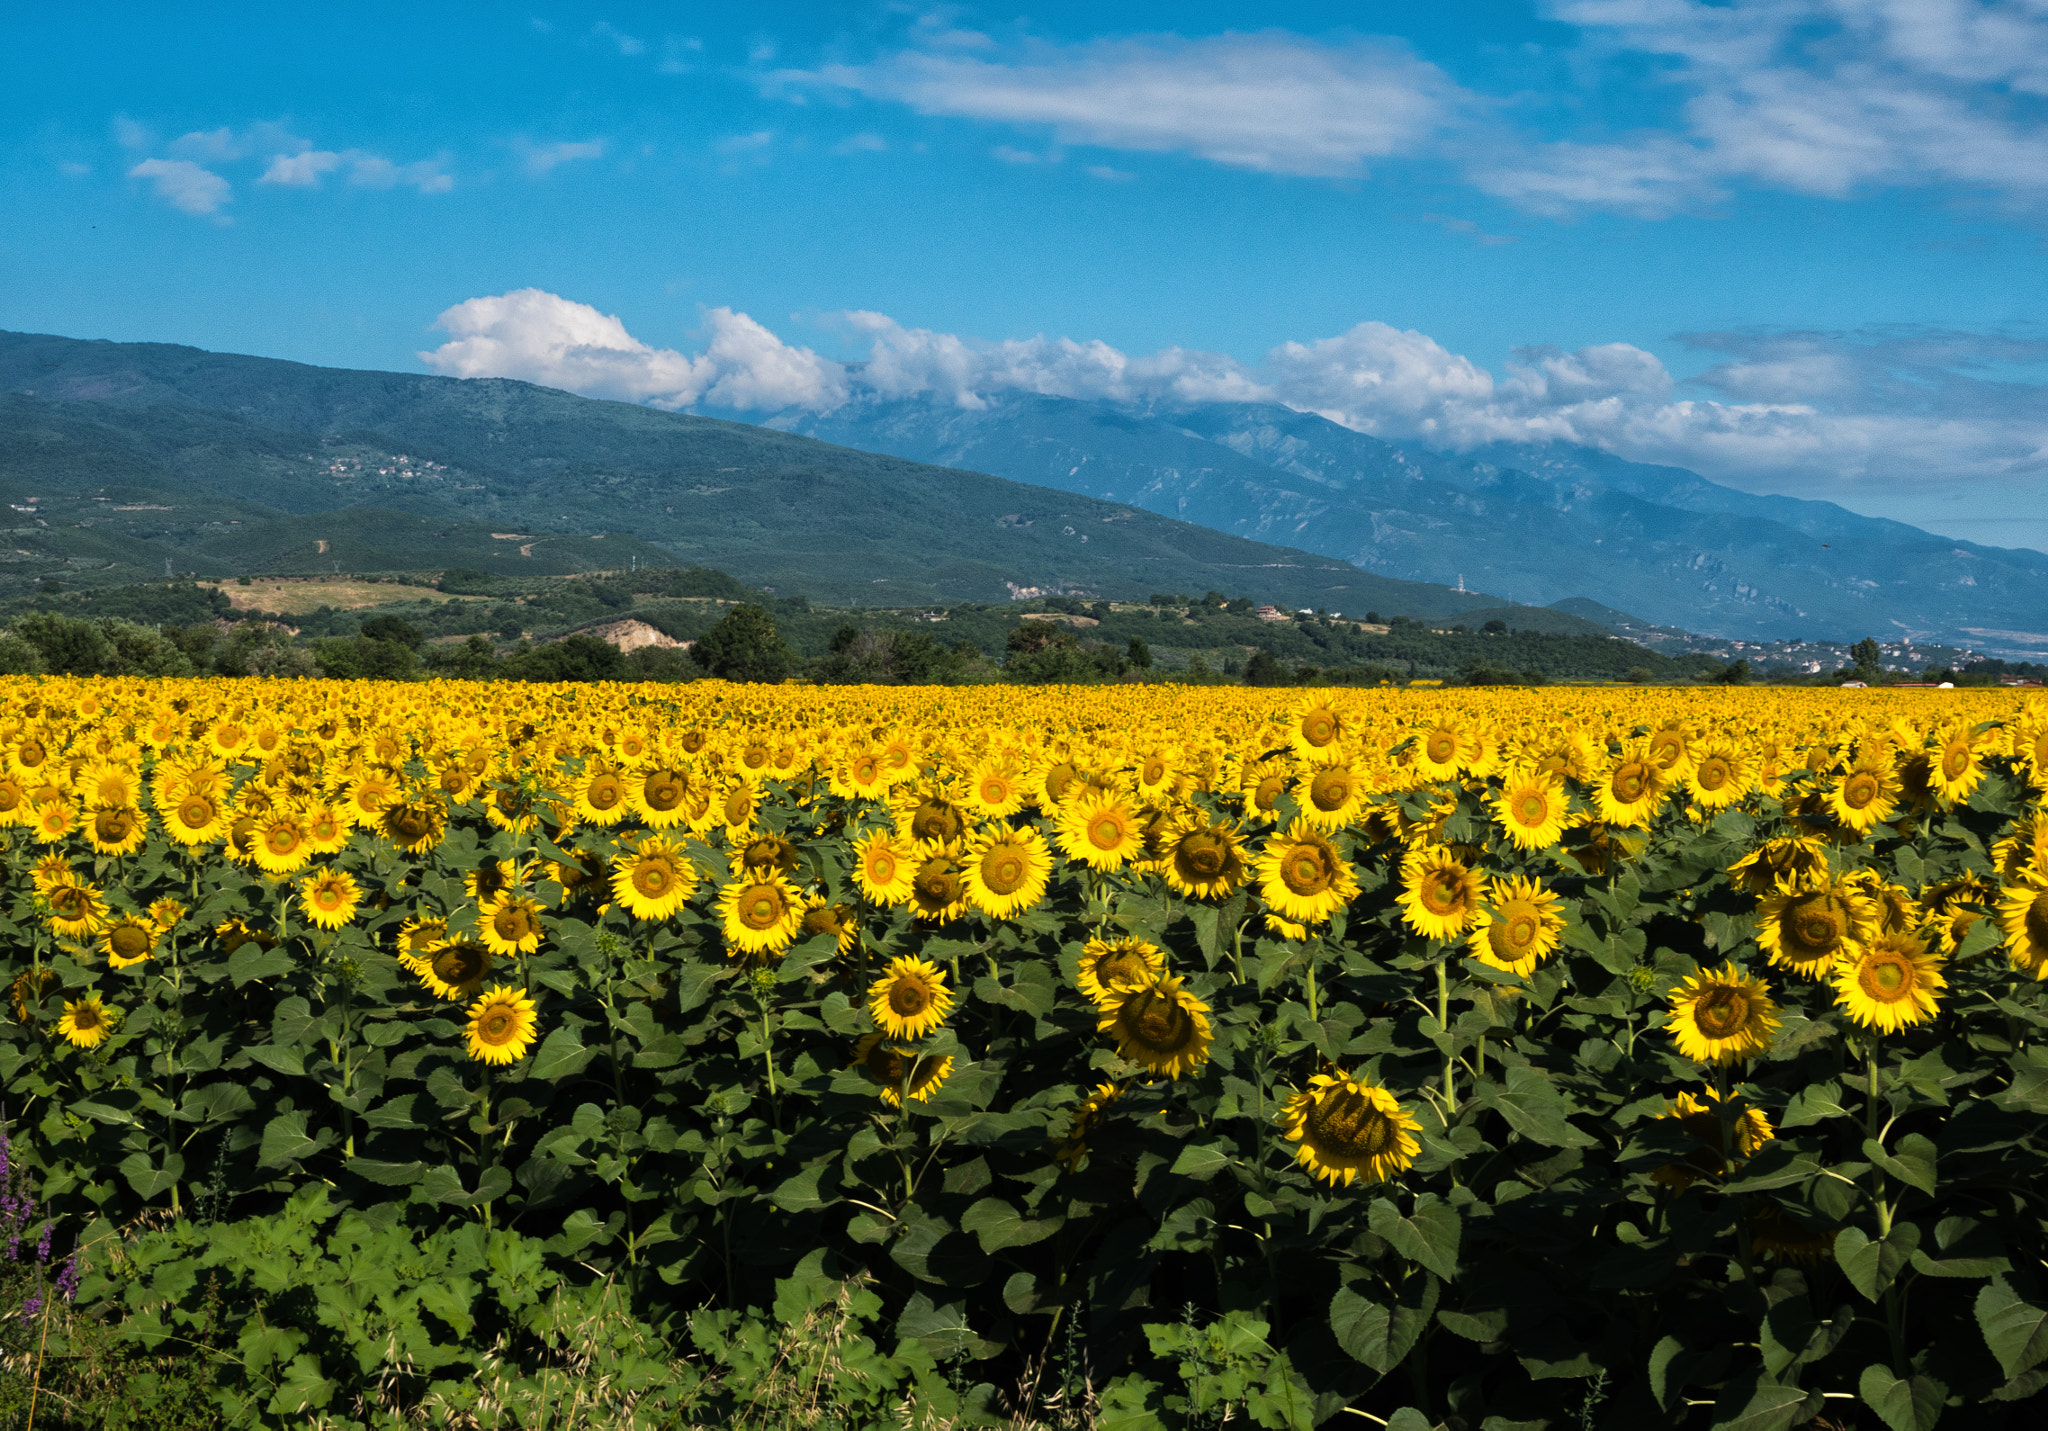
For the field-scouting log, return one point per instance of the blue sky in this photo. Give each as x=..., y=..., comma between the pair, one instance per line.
x=1794, y=244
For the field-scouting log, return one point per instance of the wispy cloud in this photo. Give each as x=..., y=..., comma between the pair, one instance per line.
x=306, y=169
x=626, y=44
x=184, y=185
x=1270, y=101
x=861, y=144
x=1465, y=227
x=540, y=159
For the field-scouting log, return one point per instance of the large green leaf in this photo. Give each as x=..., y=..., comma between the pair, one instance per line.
x=2014, y=1329
x=1904, y=1403
x=1427, y=1235
x=1379, y=1332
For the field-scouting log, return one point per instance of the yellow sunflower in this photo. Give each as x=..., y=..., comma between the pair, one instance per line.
x=502, y=1025
x=1331, y=796
x=1722, y=1016
x=896, y=1070
x=1807, y=930
x=910, y=999
x=1517, y=927
x=661, y=798
x=1701, y=1119
x=1957, y=768
x=1863, y=798
x=415, y=825
x=1890, y=983
x=1438, y=753
x=1112, y=968
x=1348, y=1128
x=995, y=789
x=1629, y=790
x=55, y=818
x=1316, y=727
x=1792, y=860
x=281, y=844
x=1439, y=895
x=1102, y=831
x=129, y=941
x=654, y=880
x=884, y=865
x=87, y=1022
x=450, y=969
x=762, y=914
x=1721, y=775
x=1302, y=878
x=1007, y=871
x=2023, y=915
x=326, y=828
x=841, y=921
x=329, y=897
x=116, y=829
x=1532, y=808
x=76, y=910
x=510, y=924
x=1202, y=860
x=1161, y=1026
x=1070, y=1149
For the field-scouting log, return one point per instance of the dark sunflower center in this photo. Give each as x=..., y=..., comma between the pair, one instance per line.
x=1308, y=870
x=113, y=826
x=195, y=812
x=1531, y=808
x=663, y=790
x=69, y=902
x=1520, y=928
x=739, y=807
x=937, y=883
x=1202, y=855
x=1886, y=977
x=1630, y=781
x=867, y=770
x=1713, y=773
x=1443, y=892
x=1860, y=789
x=908, y=997
x=762, y=907
x=1269, y=791
x=1158, y=1023
x=497, y=1026
x=1152, y=771
x=1004, y=869
x=460, y=963
x=129, y=941
x=1441, y=746
x=1721, y=1012
x=754, y=757
x=1347, y=1123
x=885, y=1065
x=513, y=922
x=1667, y=749
x=1955, y=760
x=1815, y=925
x=2036, y=920
x=653, y=878
x=1319, y=727
x=937, y=821
x=1330, y=790
x=32, y=753
x=86, y=1018
x=605, y=792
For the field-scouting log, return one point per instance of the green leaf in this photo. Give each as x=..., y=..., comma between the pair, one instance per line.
x=1409, y=1419
x=1768, y=1408
x=1873, y=1266
x=285, y=1140
x=2014, y=1329
x=147, y=1178
x=1912, y=1162
x=1814, y=1104
x=560, y=1055
x=289, y=1061
x=1129, y=1404
x=1376, y=1333
x=252, y=961
x=1429, y=1235
x=1910, y=1404
x=1202, y=1160
x=813, y=1187
x=390, y=1175
x=997, y=1224
x=944, y=1330
x=1532, y=1107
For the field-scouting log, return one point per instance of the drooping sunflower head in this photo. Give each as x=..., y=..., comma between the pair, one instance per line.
x=415, y=825
x=841, y=921
x=1102, y=831
x=501, y=1027
x=654, y=880
x=29, y=989
x=883, y=867
x=766, y=853
x=938, y=887
x=86, y=1022
x=1302, y=877
x=329, y=898
x=1070, y=1149
x=1161, y=1026
x=1807, y=930
x=1891, y=983
x=1517, y=927
x=1792, y=860
x=1532, y=808
x=1111, y=968
x=1704, y=1121
x=2023, y=916
x=1348, y=1128
x=761, y=914
x=1203, y=860
x=1630, y=789
x=116, y=829
x=452, y=969
x=128, y=941
x=510, y=924
x=76, y=909
x=1440, y=894
x=910, y=999
x=897, y=1071
x=1722, y=1016
x=1007, y=871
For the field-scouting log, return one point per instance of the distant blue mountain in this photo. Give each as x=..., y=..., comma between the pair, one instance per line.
x=1534, y=523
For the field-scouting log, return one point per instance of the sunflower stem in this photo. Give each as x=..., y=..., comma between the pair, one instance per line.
x=1743, y=1249
x=1443, y=1021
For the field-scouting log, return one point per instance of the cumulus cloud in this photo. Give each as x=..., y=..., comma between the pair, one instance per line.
x=302, y=170
x=185, y=185
x=542, y=158
x=543, y=338
x=1272, y=101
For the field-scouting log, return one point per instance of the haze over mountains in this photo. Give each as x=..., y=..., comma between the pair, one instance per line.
x=1538, y=524
x=222, y=464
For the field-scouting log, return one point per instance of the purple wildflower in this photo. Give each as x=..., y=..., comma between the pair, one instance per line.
x=43, y=1243
x=67, y=1279
x=32, y=1308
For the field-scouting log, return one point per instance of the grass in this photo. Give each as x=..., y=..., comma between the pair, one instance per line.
x=285, y=596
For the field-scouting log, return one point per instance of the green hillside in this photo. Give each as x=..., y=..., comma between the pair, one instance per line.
x=404, y=471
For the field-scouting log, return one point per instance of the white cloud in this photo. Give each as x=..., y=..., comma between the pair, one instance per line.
x=301, y=170
x=543, y=338
x=1009, y=155
x=627, y=44
x=130, y=135
x=1271, y=101
x=861, y=144
x=540, y=159
x=185, y=185
x=1114, y=176
x=374, y=171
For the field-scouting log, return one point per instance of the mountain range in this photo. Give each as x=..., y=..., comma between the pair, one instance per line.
x=1539, y=524
x=123, y=461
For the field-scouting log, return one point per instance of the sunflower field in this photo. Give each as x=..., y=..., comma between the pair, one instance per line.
x=1140, y=1057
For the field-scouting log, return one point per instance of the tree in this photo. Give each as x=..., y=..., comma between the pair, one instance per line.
x=1868, y=658
x=1495, y=628
x=1140, y=654
x=1263, y=670
x=1734, y=674
x=573, y=658
x=394, y=628
x=745, y=646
